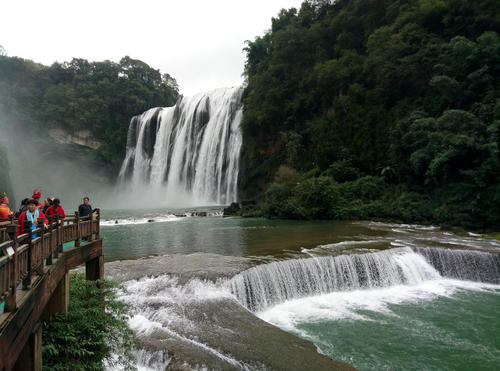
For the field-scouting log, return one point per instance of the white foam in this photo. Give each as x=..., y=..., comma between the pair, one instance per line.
x=157, y=305
x=349, y=243
x=140, y=220
x=350, y=304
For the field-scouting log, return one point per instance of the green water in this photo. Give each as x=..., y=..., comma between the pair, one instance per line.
x=443, y=325
x=226, y=236
x=460, y=332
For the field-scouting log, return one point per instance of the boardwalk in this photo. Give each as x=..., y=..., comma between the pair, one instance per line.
x=34, y=283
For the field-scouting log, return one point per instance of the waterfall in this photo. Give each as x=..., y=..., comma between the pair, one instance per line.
x=269, y=284
x=463, y=264
x=191, y=150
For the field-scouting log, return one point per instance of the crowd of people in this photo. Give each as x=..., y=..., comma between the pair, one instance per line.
x=32, y=213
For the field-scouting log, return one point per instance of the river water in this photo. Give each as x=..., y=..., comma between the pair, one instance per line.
x=210, y=292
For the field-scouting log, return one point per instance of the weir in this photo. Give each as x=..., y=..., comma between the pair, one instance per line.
x=191, y=150
x=269, y=284
x=34, y=283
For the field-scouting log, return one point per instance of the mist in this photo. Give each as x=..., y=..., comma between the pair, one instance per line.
x=64, y=171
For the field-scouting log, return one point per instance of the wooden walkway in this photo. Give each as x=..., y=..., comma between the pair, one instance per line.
x=34, y=283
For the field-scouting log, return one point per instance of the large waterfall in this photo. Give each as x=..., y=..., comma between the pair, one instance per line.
x=189, y=153
x=266, y=285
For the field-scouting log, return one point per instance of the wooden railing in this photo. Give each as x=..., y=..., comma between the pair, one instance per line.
x=25, y=256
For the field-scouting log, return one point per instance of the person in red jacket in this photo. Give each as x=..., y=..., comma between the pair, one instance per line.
x=55, y=209
x=32, y=215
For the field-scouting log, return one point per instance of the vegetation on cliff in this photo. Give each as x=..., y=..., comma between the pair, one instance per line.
x=382, y=108
x=81, y=95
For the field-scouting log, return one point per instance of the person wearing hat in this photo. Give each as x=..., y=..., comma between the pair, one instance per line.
x=37, y=194
x=33, y=215
x=4, y=208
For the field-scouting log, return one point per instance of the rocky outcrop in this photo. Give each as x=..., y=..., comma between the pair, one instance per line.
x=233, y=209
x=80, y=137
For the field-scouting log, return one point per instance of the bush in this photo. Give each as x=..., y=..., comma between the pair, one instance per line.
x=93, y=333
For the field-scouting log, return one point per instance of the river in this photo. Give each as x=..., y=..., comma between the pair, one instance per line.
x=211, y=292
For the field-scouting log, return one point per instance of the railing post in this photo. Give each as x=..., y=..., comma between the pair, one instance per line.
x=56, y=251
x=10, y=303
x=49, y=257
x=78, y=229
x=98, y=223
x=91, y=235
x=27, y=279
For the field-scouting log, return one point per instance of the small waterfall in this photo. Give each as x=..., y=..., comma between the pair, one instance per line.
x=191, y=150
x=269, y=284
x=262, y=286
x=463, y=264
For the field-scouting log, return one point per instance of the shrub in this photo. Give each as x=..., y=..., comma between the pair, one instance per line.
x=94, y=332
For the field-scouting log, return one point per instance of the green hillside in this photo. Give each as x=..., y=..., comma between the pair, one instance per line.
x=376, y=109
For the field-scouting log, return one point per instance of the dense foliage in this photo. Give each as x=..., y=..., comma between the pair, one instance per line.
x=94, y=332
x=377, y=108
x=82, y=95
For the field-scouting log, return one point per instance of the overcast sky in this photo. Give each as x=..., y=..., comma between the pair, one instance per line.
x=198, y=42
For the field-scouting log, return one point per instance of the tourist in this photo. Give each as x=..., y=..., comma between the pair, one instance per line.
x=33, y=216
x=47, y=203
x=85, y=209
x=37, y=194
x=4, y=208
x=55, y=210
x=22, y=208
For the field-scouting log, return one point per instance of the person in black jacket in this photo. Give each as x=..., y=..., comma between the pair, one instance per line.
x=85, y=210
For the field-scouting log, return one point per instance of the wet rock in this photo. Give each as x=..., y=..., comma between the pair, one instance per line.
x=233, y=209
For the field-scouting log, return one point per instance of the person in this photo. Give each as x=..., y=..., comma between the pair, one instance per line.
x=55, y=209
x=33, y=216
x=47, y=203
x=4, y=208
x=85, y=209
x=22, y=208
x=37, y=194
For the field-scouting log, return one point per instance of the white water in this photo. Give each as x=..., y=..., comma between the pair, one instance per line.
x=350, y=305
x=188, y=154
x=291, y=292
x=270, y=284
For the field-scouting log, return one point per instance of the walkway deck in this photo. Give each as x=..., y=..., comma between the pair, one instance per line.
x=34, y=283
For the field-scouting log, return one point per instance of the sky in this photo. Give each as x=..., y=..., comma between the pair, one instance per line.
x=199, y=43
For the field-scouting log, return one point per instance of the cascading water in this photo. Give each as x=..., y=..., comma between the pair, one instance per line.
x=189, y=152
x=463, y=264
x=269, y=284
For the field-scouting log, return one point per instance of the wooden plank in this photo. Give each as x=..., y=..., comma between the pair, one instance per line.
x=59, y=300
x=79, y=255
x=94, y=269
x=18, y=329
x=31, y=355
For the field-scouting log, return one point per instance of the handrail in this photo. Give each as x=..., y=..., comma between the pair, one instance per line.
x=26, y=256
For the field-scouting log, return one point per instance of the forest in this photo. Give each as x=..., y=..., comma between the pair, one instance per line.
x=376, y=109
x=98, y=96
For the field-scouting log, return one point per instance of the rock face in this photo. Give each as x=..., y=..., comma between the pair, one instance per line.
x=80, y=137
x=233, y=209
